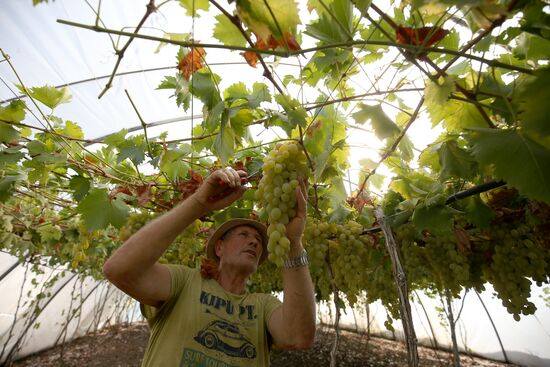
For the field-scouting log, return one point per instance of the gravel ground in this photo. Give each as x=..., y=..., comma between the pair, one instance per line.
x=123, y=346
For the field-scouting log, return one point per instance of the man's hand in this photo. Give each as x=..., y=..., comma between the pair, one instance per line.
x=295, y=228
x=221, y=189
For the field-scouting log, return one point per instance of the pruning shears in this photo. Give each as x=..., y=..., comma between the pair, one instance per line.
x=228, y=190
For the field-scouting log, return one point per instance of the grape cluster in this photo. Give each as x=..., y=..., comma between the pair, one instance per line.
x=189, y=246
x=266, y=279
x=517, y=257
x=414, y=256
x=316, y=242
x=281, y=169
x=133, y=224
x=348, y=255
x=346, y=252
x=450, y=269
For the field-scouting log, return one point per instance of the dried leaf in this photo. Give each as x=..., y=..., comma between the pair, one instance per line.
x=191, y=62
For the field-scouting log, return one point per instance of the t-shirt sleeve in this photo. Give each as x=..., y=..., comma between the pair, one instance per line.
x=179, y=276
x=271, y=303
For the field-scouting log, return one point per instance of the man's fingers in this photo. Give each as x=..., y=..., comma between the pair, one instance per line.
x=234, y=176
x=301, y=196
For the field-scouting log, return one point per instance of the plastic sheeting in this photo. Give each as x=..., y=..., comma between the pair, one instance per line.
x=41, y=307
x=526, y=342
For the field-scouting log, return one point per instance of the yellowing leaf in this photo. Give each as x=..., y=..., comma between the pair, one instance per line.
x=181, y=37
x=438, y=93
x=257, y=15
x=73, y=130
x=48, y=95
x=191, y=6
x=227, y=33
x=14, y=112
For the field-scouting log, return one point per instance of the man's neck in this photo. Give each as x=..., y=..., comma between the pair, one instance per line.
x=233, y=282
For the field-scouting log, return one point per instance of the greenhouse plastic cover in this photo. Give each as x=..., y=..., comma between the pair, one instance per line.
x=46, y=52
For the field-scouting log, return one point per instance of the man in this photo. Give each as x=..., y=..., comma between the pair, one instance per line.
x=215, y=322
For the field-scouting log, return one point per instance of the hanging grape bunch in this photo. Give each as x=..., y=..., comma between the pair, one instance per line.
x=280, y=173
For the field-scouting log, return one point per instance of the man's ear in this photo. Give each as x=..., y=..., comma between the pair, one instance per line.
x=218, y=248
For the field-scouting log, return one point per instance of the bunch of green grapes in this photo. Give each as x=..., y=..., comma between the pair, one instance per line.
x=189, y=246
x=380, y=284
x=316, y=242
x=276, y=193
x=133, y=224
x=414, y=256
x=517, y=257
x=450, y=269
x=266, y=279
x=348, y=256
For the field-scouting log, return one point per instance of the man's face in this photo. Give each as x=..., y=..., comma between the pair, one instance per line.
x=240, y=246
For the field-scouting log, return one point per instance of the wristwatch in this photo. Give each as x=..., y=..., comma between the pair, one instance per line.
x=296, y=261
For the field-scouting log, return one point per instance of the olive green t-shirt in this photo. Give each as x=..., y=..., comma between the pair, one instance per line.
x=203, y=325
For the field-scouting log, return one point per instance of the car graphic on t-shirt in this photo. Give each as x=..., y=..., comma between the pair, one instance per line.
x=225, y=337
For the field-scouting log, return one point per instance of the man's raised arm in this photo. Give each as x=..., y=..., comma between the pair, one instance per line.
x=293, y=325
x=134, y=267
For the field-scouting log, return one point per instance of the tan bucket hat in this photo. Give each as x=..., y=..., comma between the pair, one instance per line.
x=230, y=224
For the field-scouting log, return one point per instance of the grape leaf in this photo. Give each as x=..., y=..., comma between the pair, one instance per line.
x=382, y=125
x=477, y=212
x=10, y=157
x=339, y=215
x=236, y=91
x=7, y=133
x=535, y=109
x=14, y=112
x=7, y=186
x=257, y=15
x=132, y=148
x=457, y=115
x=212, y=117
x=334, y=25
x=117, y=138
x=224, y=144
x=430, y=157
x=80, y=186
x=73, y=130
x=532, y=47
x=294, y=110
x=48, y=95
x=98, y=210
x=260, y=93
x=455, y=161
x=181, y=89
x=336, y=192
x=172, y=164
x=180, y=37
x=38, y=171
x=192, y=6
x=435, y=219
x=36, y=147
x=227, y=33
x=49, y=232
x=515, y=158
x=438, y=93
x=204, y=86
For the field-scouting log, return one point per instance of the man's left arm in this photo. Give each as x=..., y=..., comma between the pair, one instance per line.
x=292, y=326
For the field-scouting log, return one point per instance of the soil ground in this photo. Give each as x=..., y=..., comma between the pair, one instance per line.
x=123, y=346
